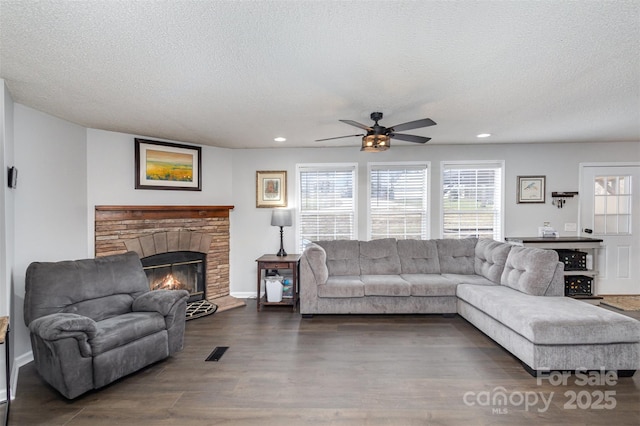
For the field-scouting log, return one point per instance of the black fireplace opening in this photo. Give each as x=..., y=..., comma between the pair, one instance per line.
x=179, y=270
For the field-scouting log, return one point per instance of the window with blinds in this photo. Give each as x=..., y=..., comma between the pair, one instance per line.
x=397, y=201
x=327, y=195
x=472, y=200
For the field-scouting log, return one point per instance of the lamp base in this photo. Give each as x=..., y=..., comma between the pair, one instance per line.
x=281, y=252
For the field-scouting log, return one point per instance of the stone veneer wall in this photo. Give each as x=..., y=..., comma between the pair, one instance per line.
x=150, y=230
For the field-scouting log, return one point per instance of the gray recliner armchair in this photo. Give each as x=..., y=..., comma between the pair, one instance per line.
x=93, y=321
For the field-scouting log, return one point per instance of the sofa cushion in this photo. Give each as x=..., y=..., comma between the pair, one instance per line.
x=418, y=257
x=491, y=257
x=343, y=256
x=385, y=285
x=379, y=257
x=123, y=329
x=551, y=320
x=430, y=285
x=529, y=270
x=342, y=286
x=468, y=279
x=457, y=256
x=101, y=308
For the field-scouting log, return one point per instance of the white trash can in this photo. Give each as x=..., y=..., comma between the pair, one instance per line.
x=274, y=290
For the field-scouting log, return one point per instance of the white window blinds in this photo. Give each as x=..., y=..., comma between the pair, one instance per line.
x=397, y=201
x=472, y=200
x=327, y=195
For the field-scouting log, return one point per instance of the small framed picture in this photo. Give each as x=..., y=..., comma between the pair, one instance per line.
x=271, y=189
x=165, y=165
x=531, y=189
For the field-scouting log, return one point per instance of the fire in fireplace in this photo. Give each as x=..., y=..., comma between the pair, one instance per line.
x=182, y=270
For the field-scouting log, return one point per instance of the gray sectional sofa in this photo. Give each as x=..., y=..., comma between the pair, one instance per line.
x=515, y=295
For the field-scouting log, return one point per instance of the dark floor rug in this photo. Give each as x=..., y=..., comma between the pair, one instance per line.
x=200, y=308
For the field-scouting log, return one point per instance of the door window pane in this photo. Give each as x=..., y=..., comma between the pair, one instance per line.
x=612, y=205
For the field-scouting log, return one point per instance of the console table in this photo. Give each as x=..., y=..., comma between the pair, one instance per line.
x=4, y=339
x=271, y=261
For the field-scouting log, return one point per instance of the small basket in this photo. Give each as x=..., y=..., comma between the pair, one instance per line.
x=578, y=285
x=573, y=260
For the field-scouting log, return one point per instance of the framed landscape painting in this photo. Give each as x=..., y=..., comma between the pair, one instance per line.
x=531, y=189
x=271, y=189
x=165, y=165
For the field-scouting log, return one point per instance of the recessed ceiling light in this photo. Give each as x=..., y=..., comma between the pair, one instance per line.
x=280, y=139
x=483, y=135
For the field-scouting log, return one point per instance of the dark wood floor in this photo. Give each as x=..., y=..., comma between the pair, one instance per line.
x=372, y=370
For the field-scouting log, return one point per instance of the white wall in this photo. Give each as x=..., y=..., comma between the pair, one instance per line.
x=111, y=178
x=50, y=202
x=252, y=235
x=6, y=221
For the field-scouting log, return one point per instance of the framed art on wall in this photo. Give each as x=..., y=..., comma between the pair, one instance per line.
x=271, y=189
x=531, y=189
x=165, y=165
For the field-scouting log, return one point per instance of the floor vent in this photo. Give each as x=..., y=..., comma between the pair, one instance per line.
x=217, y=353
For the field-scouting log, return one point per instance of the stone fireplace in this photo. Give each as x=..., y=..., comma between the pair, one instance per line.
x=157, y=233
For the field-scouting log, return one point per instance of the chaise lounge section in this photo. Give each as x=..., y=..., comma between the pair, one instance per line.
x=513, y=294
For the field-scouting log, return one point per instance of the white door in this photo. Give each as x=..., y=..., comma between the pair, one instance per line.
x=610, y=206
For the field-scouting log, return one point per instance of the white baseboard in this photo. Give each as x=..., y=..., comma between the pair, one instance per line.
x=20, y=361
x=243, y=294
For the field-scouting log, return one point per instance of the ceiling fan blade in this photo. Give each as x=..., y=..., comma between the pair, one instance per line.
x=338, y=137
x=425, y=122
x=409, y=138
x=355, y=123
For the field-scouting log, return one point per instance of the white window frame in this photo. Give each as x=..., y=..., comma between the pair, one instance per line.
x=400, y=164
x=353, y=167
x=474, y=165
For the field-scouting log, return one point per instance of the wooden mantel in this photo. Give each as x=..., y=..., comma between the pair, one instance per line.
x=160, y=212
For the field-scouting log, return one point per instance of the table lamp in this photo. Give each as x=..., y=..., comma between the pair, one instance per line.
x=281, y=218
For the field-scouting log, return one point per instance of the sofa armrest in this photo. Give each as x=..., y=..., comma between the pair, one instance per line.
x=308, y=287
x=60, y=326
x=161, y=301
x=316, y=257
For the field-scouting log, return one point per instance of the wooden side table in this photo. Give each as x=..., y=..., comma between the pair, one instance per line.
x=271, y=261
x=4, y=339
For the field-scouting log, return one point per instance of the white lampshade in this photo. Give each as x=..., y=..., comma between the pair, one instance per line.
x=281, y=217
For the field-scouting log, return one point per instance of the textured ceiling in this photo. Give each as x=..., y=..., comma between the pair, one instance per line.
x=239, y=73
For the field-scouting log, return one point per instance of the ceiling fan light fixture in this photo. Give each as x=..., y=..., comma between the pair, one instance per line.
x=375, y=143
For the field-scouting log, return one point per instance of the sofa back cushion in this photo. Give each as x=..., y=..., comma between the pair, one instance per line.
x=97, y=288
x=491, y=256
x=457, y=256
x=379, y=257
x=418, y=257
x=343, y=256
x=529, y=270
x=102, y=307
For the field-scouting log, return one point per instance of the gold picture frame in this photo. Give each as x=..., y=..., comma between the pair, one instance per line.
x=271, y=188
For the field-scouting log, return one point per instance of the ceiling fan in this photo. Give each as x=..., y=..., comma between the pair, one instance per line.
x=378, y=137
